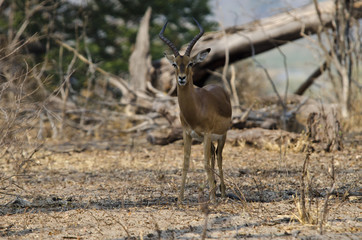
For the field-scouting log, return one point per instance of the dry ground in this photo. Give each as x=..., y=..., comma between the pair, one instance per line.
x=130, y=190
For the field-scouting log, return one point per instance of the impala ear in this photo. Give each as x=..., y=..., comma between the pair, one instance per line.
x=200, y=56
x=170, y=57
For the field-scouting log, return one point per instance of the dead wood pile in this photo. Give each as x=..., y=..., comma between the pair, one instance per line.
x=149, y=110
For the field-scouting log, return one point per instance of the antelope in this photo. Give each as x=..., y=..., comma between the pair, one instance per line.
x=205, y=113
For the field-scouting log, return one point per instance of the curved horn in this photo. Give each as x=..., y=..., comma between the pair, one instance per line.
x=196, y=38
x=168, y=42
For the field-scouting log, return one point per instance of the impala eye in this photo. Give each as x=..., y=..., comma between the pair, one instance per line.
x=174, y=65
x=190, y=64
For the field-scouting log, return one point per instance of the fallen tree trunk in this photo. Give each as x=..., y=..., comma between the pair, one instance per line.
x=249, y=39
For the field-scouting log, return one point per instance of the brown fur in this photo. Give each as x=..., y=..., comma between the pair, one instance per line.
x=205, y=114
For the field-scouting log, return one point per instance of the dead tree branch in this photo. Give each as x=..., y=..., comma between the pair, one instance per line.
x=310, y=80
x=265, y=34
x=140, y=61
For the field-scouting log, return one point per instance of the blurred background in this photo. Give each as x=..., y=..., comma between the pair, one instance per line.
x=65, y=63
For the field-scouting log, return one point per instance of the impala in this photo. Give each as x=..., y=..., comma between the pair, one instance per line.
x=205, y=113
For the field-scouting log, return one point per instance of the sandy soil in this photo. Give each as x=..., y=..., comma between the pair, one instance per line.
x=130, y=191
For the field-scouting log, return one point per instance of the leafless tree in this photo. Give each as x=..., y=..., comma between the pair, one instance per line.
x=341, y=46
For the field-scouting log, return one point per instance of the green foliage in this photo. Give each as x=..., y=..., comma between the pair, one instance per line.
x=107, y=28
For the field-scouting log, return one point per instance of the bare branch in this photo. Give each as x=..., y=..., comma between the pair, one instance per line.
x=114, y=80
x=310, y=80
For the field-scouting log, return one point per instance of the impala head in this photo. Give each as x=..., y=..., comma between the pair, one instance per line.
x=183, y=64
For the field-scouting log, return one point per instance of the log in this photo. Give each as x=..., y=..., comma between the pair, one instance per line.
x=324, y=132
x=174, y=135
x=140, y=60
x=250, y=39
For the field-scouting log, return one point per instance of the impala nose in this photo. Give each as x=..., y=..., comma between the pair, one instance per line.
x=182, y=80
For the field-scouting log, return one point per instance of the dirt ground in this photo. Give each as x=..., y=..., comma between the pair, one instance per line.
x=128, y=189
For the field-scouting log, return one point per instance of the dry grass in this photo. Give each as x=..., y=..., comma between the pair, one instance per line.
x=131, y=192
